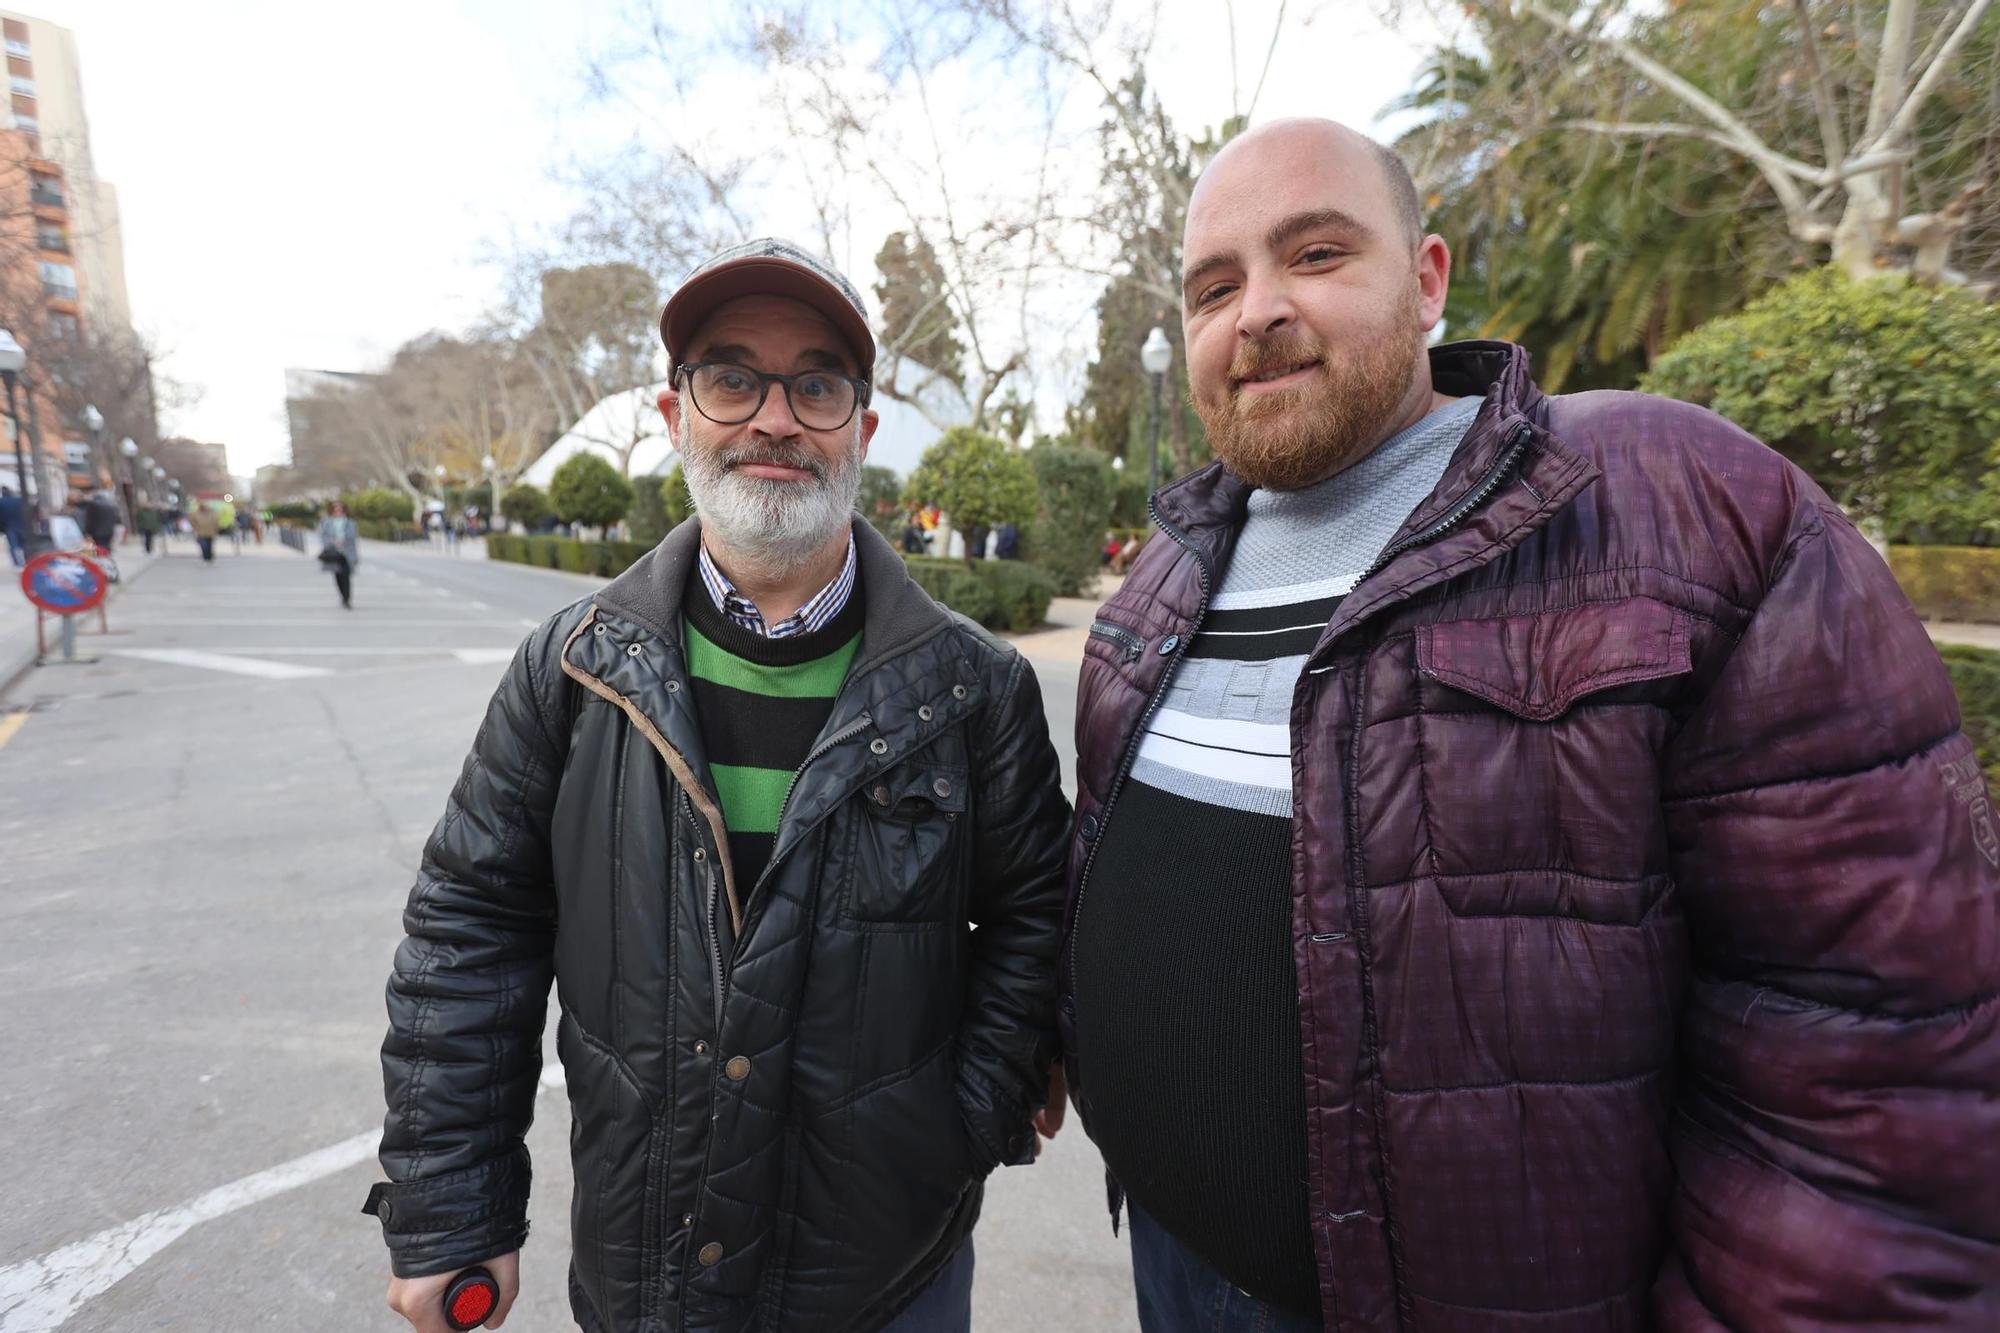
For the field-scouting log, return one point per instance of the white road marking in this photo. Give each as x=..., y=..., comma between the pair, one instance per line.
x=43, y=1293
x=241, y=666
x=481, y=656
x=40, y=1295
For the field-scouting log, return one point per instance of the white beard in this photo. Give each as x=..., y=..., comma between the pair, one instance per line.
x=772, y=527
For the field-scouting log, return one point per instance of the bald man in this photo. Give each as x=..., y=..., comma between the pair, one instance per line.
x=1527, y=874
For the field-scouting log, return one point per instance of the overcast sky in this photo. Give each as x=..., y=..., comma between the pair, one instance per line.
x=310, y=185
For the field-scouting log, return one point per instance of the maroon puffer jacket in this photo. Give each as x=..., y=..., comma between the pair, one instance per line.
x=1646, y=891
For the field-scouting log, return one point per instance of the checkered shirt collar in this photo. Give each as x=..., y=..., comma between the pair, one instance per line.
x=816, y=614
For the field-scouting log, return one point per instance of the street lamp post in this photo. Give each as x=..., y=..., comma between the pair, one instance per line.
x=1155, y=355
x=93, y=421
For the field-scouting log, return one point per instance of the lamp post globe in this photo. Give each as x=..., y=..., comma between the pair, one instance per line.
x=128, y=446
x=1155, y=355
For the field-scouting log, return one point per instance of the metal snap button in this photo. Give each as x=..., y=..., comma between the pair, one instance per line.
x=880, y=796
x=942, y=788
x=711, y=1255
x=673, y=687
x=958, y=691
x=632, y=650
x=1168, y=644
x=925, y=714
x=701, y=1048
x=878, y=746
x=737, y=1069
x=701, y=853
x=687, y=1219
x=597, y=629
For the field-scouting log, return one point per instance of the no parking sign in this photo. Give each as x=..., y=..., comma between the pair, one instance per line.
x=63, y=583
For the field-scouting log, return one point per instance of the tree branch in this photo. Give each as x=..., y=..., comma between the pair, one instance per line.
x=1906, y=116
x=1831, y=139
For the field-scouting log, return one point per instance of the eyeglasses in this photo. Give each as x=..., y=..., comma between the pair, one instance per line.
x=729, y=394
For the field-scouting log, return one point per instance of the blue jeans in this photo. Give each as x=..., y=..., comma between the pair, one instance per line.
x=1178, y=1293
x=945, y=1306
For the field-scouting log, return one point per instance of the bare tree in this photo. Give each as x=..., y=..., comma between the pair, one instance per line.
x=1855, y=193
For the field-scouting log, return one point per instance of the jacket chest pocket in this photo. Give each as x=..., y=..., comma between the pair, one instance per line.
x=1538, y=740
x=908, y=851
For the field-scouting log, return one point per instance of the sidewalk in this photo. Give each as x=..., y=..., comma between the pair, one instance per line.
x=17, y=613
x=1953, y=631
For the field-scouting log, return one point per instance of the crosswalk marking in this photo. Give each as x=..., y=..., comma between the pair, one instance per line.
x=241, y=666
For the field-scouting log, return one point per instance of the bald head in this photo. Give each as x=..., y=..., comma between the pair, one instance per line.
x=1321, y=146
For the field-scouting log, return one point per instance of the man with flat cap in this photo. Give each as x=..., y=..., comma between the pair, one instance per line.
x=788, y=836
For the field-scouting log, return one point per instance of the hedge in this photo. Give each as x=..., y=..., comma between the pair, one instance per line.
x=386, y=530
x=603, y=559
x=1975, y=674
x=1950, y=582
x=999, y=594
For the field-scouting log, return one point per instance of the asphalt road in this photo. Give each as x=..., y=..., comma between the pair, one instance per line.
x=205, y=842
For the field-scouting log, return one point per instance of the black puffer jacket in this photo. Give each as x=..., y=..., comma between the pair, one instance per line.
x=807, y=1152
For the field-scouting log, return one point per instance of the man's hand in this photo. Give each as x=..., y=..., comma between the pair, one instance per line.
x=421, y=1299
x=1049, y=1120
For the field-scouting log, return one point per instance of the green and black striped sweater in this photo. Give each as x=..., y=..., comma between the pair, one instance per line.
x=761, y=703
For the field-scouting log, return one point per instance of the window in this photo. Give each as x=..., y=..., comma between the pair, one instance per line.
x=18, y=46
x=61, y=325
x=50, y=237
x=59, y=281
x=21, y=84
x=77, y=455
x=27, y=124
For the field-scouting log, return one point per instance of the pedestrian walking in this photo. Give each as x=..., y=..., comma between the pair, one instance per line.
x=148, y=519
x=14, y=522
x=791, y=1061
x=206, y=526
x=1529, y=873
x=101, y=519
x=340, y=550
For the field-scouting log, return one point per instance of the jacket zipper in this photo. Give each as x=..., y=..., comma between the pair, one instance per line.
x=1131, y=644
x=714, y=936
x=1488, y=484
x=1153, y=703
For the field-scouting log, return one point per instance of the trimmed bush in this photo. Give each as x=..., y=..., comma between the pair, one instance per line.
x=999, y=594
x=1975, y=674
x=380, y=504
x=297, y=511
x=526, y=504
x=1950, y=582
x=603, y=559
x=1073, y=491
x=588, y=490
x=382, y=530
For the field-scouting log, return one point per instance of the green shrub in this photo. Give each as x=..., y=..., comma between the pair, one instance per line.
x=881, y=502
x=647, y=520
x=1073, y=507
x=999, y=594
x=297, y=511
x=1975, y=674
x=525, y=504
x=380, y=504
x=381, y=530
x=588, y=490
x=1950, y=582
x=976, y=479
x=1882, y=391
x=603, y=559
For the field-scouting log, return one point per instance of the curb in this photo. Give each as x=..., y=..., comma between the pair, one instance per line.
x=14, y=669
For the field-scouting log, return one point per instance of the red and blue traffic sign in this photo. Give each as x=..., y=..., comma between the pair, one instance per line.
x=63, y=583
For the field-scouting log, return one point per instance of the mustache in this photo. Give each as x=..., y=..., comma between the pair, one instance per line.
x=776, y=455
x=1265, y=356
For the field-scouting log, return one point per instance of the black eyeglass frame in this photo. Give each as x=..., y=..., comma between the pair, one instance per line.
x=863, y=391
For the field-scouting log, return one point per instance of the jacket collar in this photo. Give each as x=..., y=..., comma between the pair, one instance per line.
x=898, y=615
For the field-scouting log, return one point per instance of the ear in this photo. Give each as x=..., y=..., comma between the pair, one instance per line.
x=670, y=408
x=870, y=419
x=1433, y=279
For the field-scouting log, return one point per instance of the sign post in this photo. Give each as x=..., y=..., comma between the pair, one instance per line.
x=63, y=584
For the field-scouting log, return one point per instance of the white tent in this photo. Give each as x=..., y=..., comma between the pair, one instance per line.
x=633, y=417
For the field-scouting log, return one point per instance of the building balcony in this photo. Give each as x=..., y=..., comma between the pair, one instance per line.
x=56, y=291
x=47, y=198
x=54, y=245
